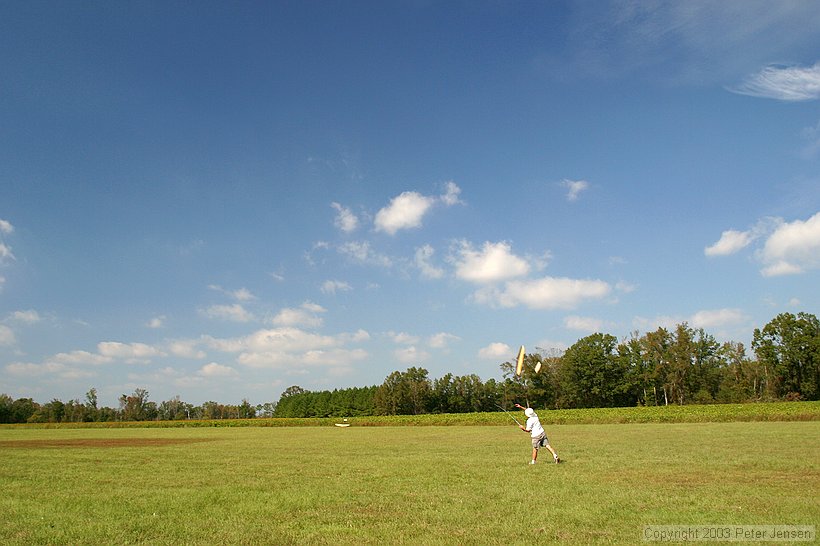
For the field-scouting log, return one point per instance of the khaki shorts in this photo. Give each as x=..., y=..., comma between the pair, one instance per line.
x=540, y=441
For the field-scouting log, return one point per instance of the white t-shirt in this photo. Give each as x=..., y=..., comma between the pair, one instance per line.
x=534, y=426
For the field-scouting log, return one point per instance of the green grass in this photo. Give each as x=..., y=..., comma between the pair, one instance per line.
x=708, y=413
x=401, y=485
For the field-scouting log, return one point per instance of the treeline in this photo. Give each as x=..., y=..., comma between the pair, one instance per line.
x=678, y=366
x=133, y=407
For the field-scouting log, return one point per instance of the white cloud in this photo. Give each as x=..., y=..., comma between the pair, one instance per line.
x=331, y=287
x=156, y=322
x=730, y=242
x=186, y=348
x=363, y=253
x=451, y=193
x=5, y=253
x=716, y=318
x=403, y=338
x=333, y=358
x=240, y=294
x=130, y=352
x=785, y=83
x=28, y=369
x=345, y=219
x=234, y=313
x=404, y=212
x=216, y=370
x=81, y=358
x=287, y=339
x=423, y=257
x=411, y=355
x=7, y=338
x=585, y=324
x=306, y=315
x=5, y=227
x=28, y=317
x=440, y=340
x=792, y=248
x=494, y=351
x=574, y=188
x=494, y=262
x=544, y=293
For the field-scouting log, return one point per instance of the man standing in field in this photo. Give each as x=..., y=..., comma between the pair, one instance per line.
x=539, y=436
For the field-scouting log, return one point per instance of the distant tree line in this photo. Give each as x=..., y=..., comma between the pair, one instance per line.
x=133, y=407
x=683, y=365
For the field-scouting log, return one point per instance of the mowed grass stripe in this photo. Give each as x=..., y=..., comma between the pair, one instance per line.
x=402, y=485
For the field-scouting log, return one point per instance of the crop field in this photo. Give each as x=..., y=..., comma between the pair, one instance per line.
x=401, y=484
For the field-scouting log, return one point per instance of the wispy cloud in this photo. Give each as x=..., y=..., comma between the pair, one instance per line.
x=306, y=315
x=574, y=188
x=233, y=313
x=345, y=219
x=785, y=83
x=423, y=261
x=333, y=286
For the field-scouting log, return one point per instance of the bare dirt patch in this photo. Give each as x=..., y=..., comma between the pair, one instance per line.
x=101, y=442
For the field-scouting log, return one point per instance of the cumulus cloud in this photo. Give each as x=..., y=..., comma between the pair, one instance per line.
x=29, y=369
x=408, y=209
x=411, y=355
x=5, y=227
x=404, y=212
x=494, y=262
x=216, y=370
x=81, y=358
x=792, y=248
x=717, y=318
x=345, y=219
x=785, y=83
x=423, y=261
x=574, y=188
x=306, y=315
x=730, y=242
x=441, y=340
x=451, y=194
x=186, y=348
x=494, y=351
x=403, y=338
x=130, y=352
x=543, y=293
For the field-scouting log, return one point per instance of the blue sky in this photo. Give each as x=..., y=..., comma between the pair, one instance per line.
x=220, y=200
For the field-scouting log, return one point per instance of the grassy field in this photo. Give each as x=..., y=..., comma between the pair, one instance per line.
x=705, y=413
x=401, y=485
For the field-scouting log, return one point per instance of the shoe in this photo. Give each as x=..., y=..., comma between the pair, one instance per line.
x=557, y=460
x=532, y=462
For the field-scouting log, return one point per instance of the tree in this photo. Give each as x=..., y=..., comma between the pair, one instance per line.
x=591, y=375
x=136, y=407
x=404, y=393
x=789, y=349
